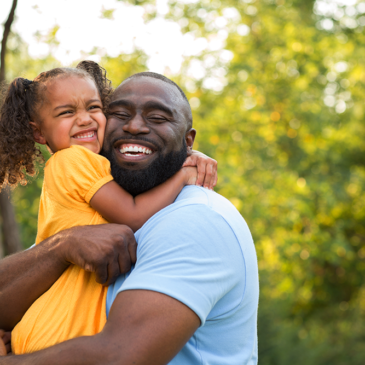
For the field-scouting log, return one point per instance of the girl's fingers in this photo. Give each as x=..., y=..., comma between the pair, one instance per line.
x=215, y=179
x=215, y=175
x=201, y=172
x=208, y=176
x=207, y=169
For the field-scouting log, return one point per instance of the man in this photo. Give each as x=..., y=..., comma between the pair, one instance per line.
x=192, y=296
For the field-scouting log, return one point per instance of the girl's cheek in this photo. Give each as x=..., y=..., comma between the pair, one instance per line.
x=101, y=120
x=101, y=134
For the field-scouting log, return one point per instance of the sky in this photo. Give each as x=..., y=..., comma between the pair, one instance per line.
x=82, y=29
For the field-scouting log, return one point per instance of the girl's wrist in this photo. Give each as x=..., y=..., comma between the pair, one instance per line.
x=183, y=176
x=190, y=175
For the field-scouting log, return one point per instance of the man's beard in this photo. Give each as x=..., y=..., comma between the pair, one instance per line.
x=139, y=181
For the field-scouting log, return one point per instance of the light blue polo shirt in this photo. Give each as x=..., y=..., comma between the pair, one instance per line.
x=199, y=251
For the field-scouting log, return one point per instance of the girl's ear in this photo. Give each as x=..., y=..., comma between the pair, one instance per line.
x=37, y=134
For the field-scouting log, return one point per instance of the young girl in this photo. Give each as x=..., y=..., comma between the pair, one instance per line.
x=63, y=108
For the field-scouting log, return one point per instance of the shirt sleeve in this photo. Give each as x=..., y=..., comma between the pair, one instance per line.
x=190, y=254
x=79, y=173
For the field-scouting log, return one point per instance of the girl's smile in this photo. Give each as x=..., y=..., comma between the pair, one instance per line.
x=87, y=135
x=71, y=115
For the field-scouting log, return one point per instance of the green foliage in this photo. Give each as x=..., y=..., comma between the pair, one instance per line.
x=282, y=110
x=119, y=68
x=19, y=62
x=26, y=201
x=291, y=164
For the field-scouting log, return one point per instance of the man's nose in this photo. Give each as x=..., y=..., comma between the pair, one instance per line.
x=136, y=125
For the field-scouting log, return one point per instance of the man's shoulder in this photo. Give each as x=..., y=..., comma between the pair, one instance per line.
x=212, y=204
x=196, y=203
x=191, y=196
x=197, y=209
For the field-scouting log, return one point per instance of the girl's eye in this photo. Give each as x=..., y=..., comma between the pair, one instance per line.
x=66, y=112
x=95, y=107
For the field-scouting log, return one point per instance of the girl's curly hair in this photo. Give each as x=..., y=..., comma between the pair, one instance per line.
x=22, y=101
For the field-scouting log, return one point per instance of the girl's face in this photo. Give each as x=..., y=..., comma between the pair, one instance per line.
x=72, y=114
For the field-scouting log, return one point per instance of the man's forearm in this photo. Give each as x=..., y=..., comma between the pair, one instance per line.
x=25, y=276
x=78, y=351
x=144, y=327
x=106, y=249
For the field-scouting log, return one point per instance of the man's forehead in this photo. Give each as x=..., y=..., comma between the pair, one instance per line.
x=148, y=87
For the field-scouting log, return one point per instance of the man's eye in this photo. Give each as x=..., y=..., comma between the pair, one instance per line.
x=157, y=118
x=120, y=115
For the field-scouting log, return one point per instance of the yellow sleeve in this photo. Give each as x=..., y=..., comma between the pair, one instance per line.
x=77, y=174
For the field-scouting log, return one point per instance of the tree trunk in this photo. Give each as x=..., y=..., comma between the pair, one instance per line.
x=10, y=228
x=11, y=241
x=7, y=27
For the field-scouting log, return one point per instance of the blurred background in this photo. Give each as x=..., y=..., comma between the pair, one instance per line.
x=277, y=92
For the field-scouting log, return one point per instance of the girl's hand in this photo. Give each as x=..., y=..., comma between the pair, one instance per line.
x=5, y=346
x=207, y=169
x=190, y=175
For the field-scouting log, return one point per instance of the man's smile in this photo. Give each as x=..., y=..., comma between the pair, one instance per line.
x=134, y=151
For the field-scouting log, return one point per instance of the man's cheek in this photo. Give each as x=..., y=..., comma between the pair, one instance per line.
x=110, y=129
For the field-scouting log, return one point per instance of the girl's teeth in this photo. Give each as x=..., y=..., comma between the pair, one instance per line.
x=85, y=135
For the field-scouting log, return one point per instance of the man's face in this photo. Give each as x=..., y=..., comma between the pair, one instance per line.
x=147, y=137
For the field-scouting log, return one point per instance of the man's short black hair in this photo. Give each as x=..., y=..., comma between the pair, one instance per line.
x=163, y=78
x=159, y=77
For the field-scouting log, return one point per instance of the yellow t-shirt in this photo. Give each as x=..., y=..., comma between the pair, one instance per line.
x=75, y=304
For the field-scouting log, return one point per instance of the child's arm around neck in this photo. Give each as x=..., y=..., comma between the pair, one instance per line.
x=118, y=206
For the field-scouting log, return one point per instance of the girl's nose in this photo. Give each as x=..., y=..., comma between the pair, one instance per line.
x=84, y=119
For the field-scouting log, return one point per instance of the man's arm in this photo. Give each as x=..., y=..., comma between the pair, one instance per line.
x=144, y=327
x=24, y=277
x=107, y=250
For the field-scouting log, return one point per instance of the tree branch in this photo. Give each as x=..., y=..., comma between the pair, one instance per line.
x=7, y=27
x=11, y=242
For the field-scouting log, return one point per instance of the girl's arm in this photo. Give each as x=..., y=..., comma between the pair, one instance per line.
x=118, y=206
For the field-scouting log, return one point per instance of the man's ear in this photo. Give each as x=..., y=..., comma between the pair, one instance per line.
x=189, y=138
x=37, y=133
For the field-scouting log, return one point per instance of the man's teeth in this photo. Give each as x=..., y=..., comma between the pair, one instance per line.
x=134, y=149
x=85, y=135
